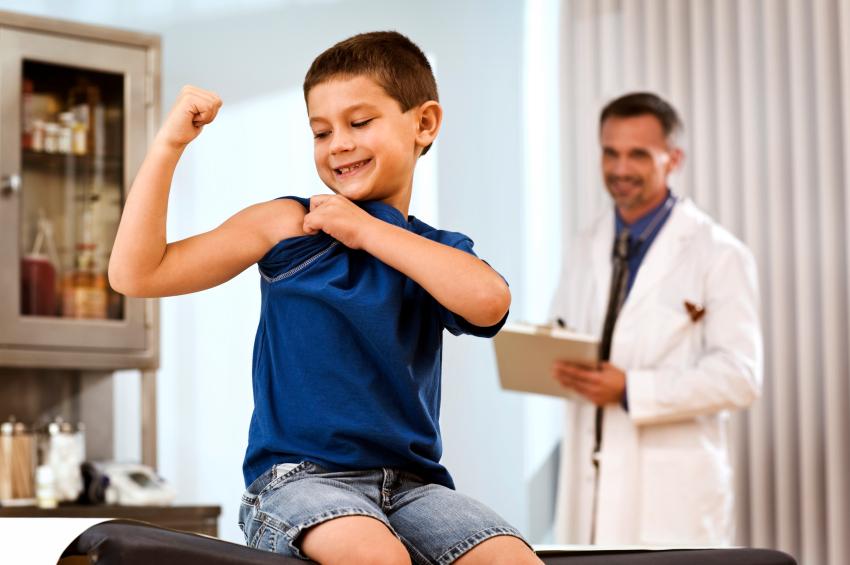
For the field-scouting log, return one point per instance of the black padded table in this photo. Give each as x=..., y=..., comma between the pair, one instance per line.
x=127, y=542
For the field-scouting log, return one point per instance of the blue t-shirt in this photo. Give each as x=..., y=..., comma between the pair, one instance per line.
x=346, y=367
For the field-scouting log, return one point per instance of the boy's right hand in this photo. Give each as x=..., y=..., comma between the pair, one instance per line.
x=194, y=108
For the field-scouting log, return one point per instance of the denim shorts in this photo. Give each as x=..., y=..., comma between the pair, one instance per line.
x=435, y=524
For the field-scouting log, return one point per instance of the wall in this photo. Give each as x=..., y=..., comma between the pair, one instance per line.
x=254, y=54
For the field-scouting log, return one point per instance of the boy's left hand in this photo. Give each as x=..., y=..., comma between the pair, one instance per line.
x=338, y=217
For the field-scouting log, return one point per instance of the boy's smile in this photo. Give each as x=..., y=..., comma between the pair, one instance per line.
x=351, y=169
x=364, y=145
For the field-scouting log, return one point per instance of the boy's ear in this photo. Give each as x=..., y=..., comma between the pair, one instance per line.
x=430, y=116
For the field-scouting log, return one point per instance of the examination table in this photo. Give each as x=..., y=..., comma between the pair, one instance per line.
x=127, y=542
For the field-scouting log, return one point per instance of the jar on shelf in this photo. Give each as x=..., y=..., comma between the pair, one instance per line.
x=51, y=137
x=85, y=288
x=62, y=449
x=79, y=138
x=37, y=136
x=17, y=464
x=65, y=140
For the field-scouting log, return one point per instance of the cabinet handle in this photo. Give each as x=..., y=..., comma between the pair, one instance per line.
x=9, y=185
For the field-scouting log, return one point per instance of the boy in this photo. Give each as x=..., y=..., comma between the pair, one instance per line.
x=344, y=445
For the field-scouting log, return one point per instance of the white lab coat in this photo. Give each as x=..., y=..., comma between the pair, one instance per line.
x=665, y=476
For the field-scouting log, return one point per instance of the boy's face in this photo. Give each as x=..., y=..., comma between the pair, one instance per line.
x=365, y=146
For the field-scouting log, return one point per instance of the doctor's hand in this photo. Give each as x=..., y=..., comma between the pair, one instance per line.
x=601, y=387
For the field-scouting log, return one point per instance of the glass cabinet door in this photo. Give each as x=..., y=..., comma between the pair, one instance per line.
x=73, y=116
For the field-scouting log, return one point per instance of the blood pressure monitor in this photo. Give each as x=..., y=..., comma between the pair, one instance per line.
x=132, y=484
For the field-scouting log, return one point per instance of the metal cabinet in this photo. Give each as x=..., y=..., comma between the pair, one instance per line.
x=78, y=107
x=75, y=117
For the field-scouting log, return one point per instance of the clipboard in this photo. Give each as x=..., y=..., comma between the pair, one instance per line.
x=525, y=354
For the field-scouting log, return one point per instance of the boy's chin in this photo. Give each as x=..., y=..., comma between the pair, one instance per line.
x=355, y=193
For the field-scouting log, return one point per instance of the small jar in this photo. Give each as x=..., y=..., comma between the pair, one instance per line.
x=66, y=133
x=79, y=141
x=51, y=137
x=62, y=448
x=45, y=487
x=17, y=463
x=37, y=141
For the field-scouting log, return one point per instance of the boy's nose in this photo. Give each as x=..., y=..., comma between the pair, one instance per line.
x=341, y=142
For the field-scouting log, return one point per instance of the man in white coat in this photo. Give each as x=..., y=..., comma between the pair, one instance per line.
x=644, y=458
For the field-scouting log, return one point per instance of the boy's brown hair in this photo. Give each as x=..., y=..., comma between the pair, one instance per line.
x=387, y=57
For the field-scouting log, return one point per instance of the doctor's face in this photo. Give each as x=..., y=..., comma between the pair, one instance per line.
x=636, y=160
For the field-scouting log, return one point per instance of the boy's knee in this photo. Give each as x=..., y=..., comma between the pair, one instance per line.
x=378, y=554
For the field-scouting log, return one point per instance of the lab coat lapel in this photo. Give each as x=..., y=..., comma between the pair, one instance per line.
x=663, y=256
x=603, y=240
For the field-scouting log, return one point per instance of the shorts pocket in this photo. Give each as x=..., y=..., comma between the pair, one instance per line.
x=247, y=523
x=283, y=473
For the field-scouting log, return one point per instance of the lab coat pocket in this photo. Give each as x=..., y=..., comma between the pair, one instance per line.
x=673, y=336
x=686, y=497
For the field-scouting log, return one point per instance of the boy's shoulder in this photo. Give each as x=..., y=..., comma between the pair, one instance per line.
x=279, y=219
x=447, y=237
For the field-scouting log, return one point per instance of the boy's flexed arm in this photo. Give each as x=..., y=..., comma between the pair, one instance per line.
x=143, y=263
x=461, y=282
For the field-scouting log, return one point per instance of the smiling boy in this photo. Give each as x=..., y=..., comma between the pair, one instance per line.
x=342, y=464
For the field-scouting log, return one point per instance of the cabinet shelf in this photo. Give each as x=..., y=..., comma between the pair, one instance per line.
x=62, y=163
x=197, y=519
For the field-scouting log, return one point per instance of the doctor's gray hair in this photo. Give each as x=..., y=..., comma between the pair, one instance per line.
x=641, y=104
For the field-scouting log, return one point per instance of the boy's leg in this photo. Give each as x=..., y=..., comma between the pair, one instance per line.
x=352, y=540
x=440, y=525
x=499, y=550
x=307, y=512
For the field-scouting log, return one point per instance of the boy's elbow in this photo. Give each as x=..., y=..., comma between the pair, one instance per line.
x=117, y=282
x=121, y=282
x=113, y=275
x=494, y=306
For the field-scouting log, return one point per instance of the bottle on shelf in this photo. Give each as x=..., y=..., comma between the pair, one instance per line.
x=45, y=487
x=36, y=139
x=39, y=272
x=38, y=114
x=84, y=289
x=62, y=450
x=51, y=137
x=65, y=143
x=83, y=101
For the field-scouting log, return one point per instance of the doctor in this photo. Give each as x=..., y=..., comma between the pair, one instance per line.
x=675, y=298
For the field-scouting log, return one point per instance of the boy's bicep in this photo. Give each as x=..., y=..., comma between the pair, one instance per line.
x=214, y=257
x=456, y=324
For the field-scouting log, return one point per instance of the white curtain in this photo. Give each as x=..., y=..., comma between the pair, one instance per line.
x=763, y=87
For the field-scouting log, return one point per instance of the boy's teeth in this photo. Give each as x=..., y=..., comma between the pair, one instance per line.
x=344, y=170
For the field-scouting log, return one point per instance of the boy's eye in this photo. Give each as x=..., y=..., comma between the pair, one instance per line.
x=320, y=134
x=360, y=124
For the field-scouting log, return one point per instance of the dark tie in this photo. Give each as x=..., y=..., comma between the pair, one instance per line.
x=616, y=297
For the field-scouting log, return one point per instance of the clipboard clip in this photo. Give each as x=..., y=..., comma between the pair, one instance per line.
x=543, y=329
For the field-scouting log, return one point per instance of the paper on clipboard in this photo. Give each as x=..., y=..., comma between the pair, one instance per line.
x=525, y=354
